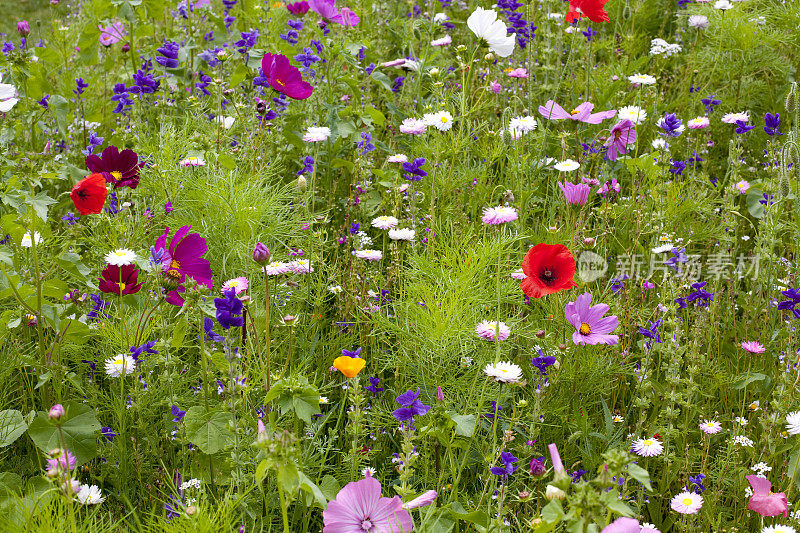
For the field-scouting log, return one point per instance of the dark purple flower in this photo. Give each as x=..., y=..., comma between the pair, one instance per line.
x=413, y=170
x=229, y=310
x=742, y=127
x=177, y=414
x=589, y=33
x=579, y=474
x=508, y=467
x=709, y=103
x=651, y=332
x=671, y=126
x=793, y=296
x=411, y=407
x=537, y=467
x=122, y=99
x=542, y=362
x=618, y=284
x=373, y=386
x=677, y=167
x=208, y=326
x=80, y=86
x=767, y=200
x=700, y=296
x=143, y=80
x=108, y=433
x=352, y=353
x=247, y=41
x=678, y=256
x=138, y=351
x=169, y=54
x=698, y=482
x=772, y=123
x=495, y=409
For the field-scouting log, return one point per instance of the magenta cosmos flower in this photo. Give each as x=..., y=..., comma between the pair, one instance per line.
x=327, y=9
x=183, y=258
x=764, y=501
x=590, y=325
x=622, y=134
x=582, y=113
x=285, y=78
x=111, y=34
x=359, y=507
x=575, y=193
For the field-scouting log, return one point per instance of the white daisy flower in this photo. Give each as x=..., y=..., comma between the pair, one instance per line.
x=27, y=242
x=404, y=234
x=384, y=222
x=793, y=423
x=647, y=447
x=567, y=166
x=369, y=255
x=442, y=121
x=121, y=257
x=504, y=372
x=119, y=366
x=635, y=114
x=317, y=134
x=90, y=495
x=642, y=79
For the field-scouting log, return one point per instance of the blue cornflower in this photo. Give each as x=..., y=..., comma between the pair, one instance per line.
x=709, y=103
x=373, y=386
x=70, y=218
x=365, y=144
x=793, y=296
x=589, y=33
x=698, y=482
x=542, y=362
x=651, y=332
x=138, y=351
x=356, y=354
x=308, y=165
x=247, y=41
x=229, y=309
x=742, y=127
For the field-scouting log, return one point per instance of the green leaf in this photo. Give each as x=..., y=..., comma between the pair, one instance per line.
x=226, y=161
x=376, y=116
x=329, y=486
x=306, y=406
x=60, y=109
x=465, y=424
x=382, y=79
x=40, y=203
x=311, y=488
x=179, y=332
x=612, y=502
x=239, y=74
x=640, y=474
x=78, y=428
x=743, y=380
x=12, y=426
x=261, y=471
x=479, y=518
x=753, y=199
x=210, y=431
x=288, y=477
x=794, y=468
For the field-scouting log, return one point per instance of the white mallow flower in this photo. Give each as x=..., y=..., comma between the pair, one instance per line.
x=504, y=372
x=27, y=242
x=317, y=134
x=484, y=24
x=121, y=365
x=442, y=120
x=90, y=495
x=120, y=257
x=635, y=114
x=404, y=234
x=8, y=96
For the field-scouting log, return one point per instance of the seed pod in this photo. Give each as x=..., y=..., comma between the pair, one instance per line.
x=791, y=98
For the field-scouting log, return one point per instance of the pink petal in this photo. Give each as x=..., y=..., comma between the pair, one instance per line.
x=553, y=111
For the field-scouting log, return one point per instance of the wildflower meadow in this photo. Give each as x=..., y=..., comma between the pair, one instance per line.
x=448, y=266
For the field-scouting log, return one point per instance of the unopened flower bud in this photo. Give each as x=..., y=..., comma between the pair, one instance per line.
x=489, y=57
x=302, y=183
x=791, y=98
x=434, y=71
x=261, y=254
x=56, y=412
x=191, y=510
x=289, y=320
x=588, y=241
x=126, y=48
x=540, y=333
x=562, y=346
x=439, y=393
x=524, y=495
x=23, y=27
x=261, y=108
x=554, y=493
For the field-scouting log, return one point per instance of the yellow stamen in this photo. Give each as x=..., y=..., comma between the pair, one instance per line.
x=585, y=329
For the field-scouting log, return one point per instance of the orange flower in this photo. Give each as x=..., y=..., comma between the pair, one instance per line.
x=349, y=366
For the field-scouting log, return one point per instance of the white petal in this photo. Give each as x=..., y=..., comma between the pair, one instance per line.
x=504, y=48
x=6, y=106
x=7, y=91
x=480, y=21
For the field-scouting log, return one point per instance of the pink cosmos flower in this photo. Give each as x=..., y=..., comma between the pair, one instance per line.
x=623, y=525
x=590, y=325
x=327, y=9
x=111, y=34
x=764, y=501
x=285, y=78
x=753, y=347
x=582, y=113
x=622, y=134
x=298, y=8
x=518, y=73
x=359, y=507
x=575, y=193
x=183, y=258
x=237, y=284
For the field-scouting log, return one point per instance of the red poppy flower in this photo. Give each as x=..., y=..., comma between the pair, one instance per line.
x=119, y=168
x=120, y=280
x=285, y=78
x=550, y=268
x=593, y=9
x=89, y=194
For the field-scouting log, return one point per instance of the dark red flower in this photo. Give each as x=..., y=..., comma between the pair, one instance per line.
x=285, y=78
x=550, y=268
x=120, y=168
x=298, y=8
x=89, y=194
x=593, y=9
x=120, y=280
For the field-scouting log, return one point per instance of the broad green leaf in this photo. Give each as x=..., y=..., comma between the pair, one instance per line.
x=77, y=429
x=209, y=431
x=40, y=203
x=288, y=477
x=794, y=468
x=226, y=161
x=311, y=488
x=465, y=424
x=640, y=474
x=754, y=205
x=382, y=79
x=743, y=380
x=12, y=426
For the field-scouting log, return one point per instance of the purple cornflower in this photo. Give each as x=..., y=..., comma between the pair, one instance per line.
x=208, y=326
x=589, y=33
x=44, y=101
x=143, y=80
x=508, y=467
x=108, y=433
x=121, y=98
x=169, y=54
x=411, y=407
x=203, y=81
x=355, y=354
x=80, y=86
x=772, y=123
x=671, y=125
x=678, y=256
x=700, y=296
x=365, y=144
x=495, y=410
x=618, y=284
x=98, y=308
x=767, y=200
x=698, y=482
x=413, y=170
x=307, y=58
x=742, y=127
x=579, y=474
x=177, y=414
x=373, y=386
x=354, y=226
x=709, y=103
x=397, y=85
x=229, y=310
x=70, y=219
x=651, y=332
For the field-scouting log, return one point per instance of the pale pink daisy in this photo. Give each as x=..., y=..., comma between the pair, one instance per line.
x=237, y=284
x=276, y=268
x=442, y=41
x=753, y=347
x=647, y=447
x=397, y=158
x=300, y=266
x=490, y=329
x=317, y=134
x=518, y=274
x=384, y=222
x=413, y=126
x=710, y=427
x=518, y=73
x=698, y=123
x=192, y=161
x=499, y=215
x=369, y=255
x=742, y=186
x=731, y=118
x=687, y=503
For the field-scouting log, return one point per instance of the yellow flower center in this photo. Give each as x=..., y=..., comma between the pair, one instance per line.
x=444, y=120
x=234, y=283
x=687, y=501
x=281, y=83
x=117, y=174
x=121, y=287
x=647, y=442
x=574, y=112
x=119, y=361
x=585, y=329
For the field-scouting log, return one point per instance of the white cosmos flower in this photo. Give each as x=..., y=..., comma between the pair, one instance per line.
x=442, y=120
x=90, y=495
x=226, y=122
x=8, y=96
x=404, y=234
x=484, y=24
x=120, y=257
x=121, y=365
x=317, y=134
x=642, y=79
x=567, y=166
x=504, y=372
x=635, y=114
x=723, y=5
x=27, y=242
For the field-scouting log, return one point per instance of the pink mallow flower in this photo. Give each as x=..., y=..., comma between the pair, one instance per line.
x=575, y=193
x=753, y=347
x=590, y=325
x=764, y=501
x=622, y=134
x=623, y=525
x=582, y=113
x=359, y=506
